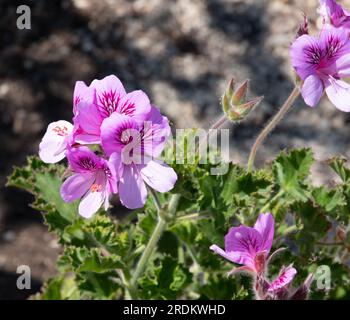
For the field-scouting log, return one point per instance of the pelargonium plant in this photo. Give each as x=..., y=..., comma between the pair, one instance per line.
x=119, y=145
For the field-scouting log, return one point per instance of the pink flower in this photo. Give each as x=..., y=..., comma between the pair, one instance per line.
x=137, y=146
x=249, y=246
x=53, y=146
x=102, y=98
x=321, y=63
x=94, y=179
x=334, y=14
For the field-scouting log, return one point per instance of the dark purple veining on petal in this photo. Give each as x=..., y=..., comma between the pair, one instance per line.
x=87, y=163
x=108, y=103
x=314, y=54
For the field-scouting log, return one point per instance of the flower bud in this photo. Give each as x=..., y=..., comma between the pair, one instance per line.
x=302, y=293
x=303, y=28
x=234, y=102
x=240, y=94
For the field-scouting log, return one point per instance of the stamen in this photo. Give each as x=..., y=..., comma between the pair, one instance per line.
x=96, y=187
x=60, y=131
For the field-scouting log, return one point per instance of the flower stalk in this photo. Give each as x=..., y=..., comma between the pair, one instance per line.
x=157, y=233
x=272, y=124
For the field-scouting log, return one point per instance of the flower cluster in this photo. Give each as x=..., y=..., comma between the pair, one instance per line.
x=322, y=62
x=250, y=247
x=130, y=134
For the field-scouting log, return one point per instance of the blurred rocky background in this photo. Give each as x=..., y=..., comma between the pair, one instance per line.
x=181, y=52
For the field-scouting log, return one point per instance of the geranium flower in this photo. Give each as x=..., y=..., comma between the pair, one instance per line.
x=334, y=14
x=137, y=145
x=102, y=98
x=57, y=138
x=93, y=180
x=249, y=246
x=321, y=63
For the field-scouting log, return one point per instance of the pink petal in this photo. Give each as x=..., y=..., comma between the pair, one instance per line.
x=284, y=279
x=116, y=132
x=85, y=138
x=155, y=133
x=109, y=91
x=343, y=66
x=132, y=189
x=265, y=225
x=338, y=93
x=76, y=186
x=54, y=143
x=83, y=160
x=299, y=55
x=312, y=90
x=135, y=104
x=82, y=92
x=243, y=243
x=159, y=176
x=88, y=119
x=116, y=161
x=221, y=252
x=115, y=167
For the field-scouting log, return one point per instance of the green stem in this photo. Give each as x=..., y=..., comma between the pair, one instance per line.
x=217, y=125
x=272, y=124
x=155, y=199
x=152, y=243
x=267, y=205
x=193, y=216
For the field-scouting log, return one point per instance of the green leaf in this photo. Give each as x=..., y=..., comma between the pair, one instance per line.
x=329, y=200
x=59, y=288
x=164, y=281
x=92, y=260
x=291, y=170
x=338, y=165
x=48, y=185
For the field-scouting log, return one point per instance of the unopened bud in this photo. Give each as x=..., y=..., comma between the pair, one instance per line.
x=234, y=102
x=225, y=103
x=249, y=106
x=302, y=293
x=231, y=87
x=240, y=93
x=303, y=27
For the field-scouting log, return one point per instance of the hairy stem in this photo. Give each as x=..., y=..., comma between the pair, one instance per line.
x=272, y=124
x=152, y=243
x=220, y=122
